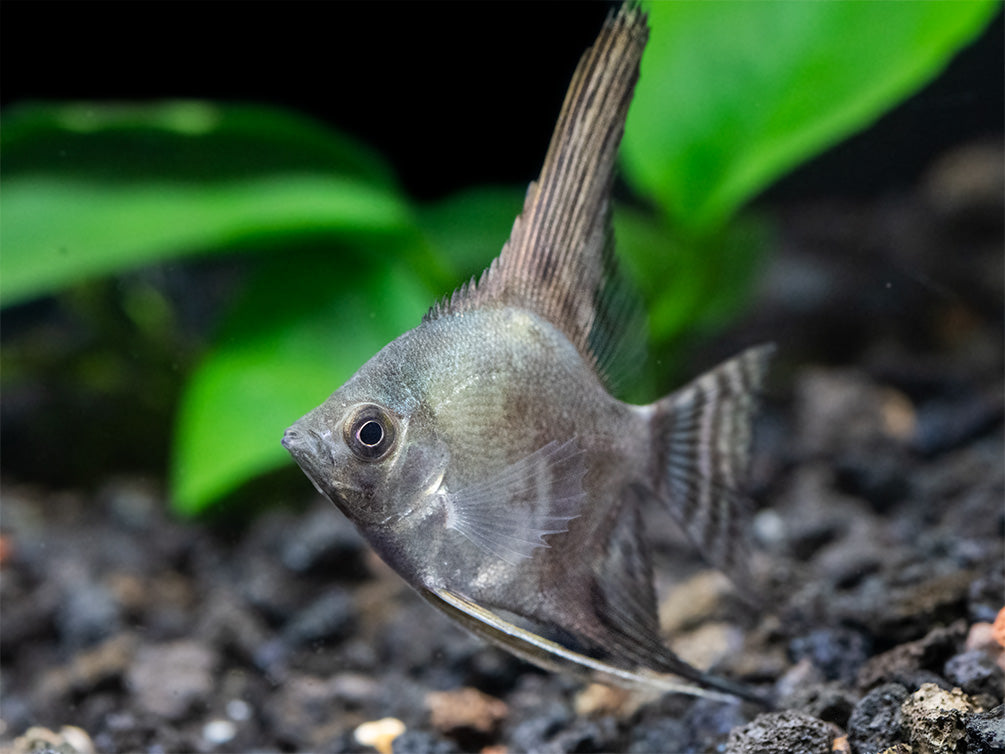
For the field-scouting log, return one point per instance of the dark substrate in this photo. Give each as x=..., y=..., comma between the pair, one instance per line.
x=879, y=472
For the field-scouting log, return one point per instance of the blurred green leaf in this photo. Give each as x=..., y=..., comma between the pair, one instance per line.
x=57, y=232
x=301, y=329
x=178, y=140
x=690, y=285
x=90, y=190
x=733, y=94
x=469, y=228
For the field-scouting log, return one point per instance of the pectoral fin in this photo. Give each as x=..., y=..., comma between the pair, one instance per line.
x=552, y=656
x=509, y=514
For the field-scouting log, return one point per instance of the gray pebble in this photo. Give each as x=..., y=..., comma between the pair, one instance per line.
x=331, y=617
x=535, y=733
x=984, y=597
x=301, y=705
x=585, y=735
x=986, y=731
x=875, y=721
x=88, y=614
x=422, y=742
x=975, y=673
x=837, y=651
x=831, y=702
x=323, y=542
x=781, y=733
x=947, y=424
x=169, y=679
x=665, y=734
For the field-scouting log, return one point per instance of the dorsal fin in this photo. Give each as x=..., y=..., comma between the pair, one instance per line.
x=559, y=260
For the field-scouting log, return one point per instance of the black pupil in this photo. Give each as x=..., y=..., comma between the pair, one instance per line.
x=370, y=433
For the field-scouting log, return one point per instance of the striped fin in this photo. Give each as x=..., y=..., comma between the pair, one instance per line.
x=559, y=260
x=702, y=435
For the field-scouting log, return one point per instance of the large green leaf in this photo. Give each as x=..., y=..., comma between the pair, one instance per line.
x=91, y=190
x=180, y=140
x=57, y=231
x=732, y=94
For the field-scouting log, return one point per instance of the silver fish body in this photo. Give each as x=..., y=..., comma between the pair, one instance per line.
x=462, y=416
x=484, y=458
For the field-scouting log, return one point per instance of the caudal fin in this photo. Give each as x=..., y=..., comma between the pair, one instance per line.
x=702, y=436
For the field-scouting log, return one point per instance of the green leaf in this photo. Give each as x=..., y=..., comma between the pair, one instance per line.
x=182, y=140
x=306, y=323
x=469, y=228
x=733, y=94
x=90, y=191
x=690, y=285
x=57, y=232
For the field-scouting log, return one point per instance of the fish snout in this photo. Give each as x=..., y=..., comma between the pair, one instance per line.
x=301, y=441
x=293, y=437
x=309, y=450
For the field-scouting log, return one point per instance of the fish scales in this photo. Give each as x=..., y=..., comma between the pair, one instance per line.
x=484, y=457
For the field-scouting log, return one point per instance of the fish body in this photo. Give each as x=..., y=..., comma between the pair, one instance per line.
x=467, y=483
x=484, y=457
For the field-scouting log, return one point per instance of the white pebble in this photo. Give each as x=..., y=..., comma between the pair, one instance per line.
x=219, y=731
x=238, y=709
x=769, y=528
x=380, y=733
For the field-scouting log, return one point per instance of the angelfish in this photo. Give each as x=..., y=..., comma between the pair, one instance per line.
x=484, y=458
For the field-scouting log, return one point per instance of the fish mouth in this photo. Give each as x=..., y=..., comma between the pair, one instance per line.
x=308, y=450
x=301, y=442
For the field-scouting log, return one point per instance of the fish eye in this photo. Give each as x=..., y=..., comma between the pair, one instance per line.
x=369, y=433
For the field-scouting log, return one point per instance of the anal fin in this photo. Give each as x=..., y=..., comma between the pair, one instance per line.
x=552, y=656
